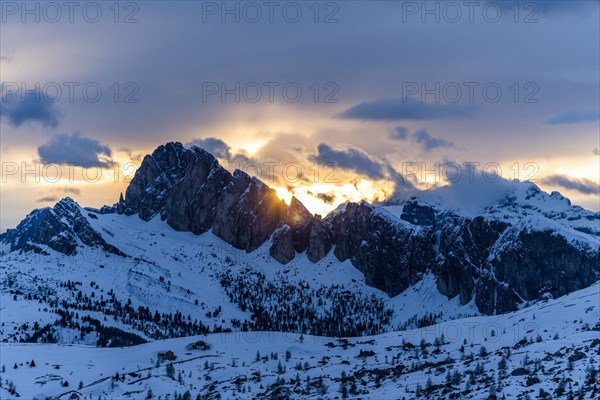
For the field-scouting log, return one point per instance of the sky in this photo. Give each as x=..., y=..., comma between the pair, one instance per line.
x=327, y=101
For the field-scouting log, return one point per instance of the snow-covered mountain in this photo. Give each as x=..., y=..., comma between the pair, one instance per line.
x=195, y=250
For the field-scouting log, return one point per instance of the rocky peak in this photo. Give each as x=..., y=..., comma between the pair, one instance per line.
x=62, y=228
x=147, y=193
x=296, y=214
x=190, y=204
x=294, y=235
x=192, y=192
x=558, y=196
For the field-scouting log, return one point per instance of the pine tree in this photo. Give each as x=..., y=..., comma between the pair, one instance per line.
x=344, y=390
x=502, y=365
x=353, y=388
x=170, y=370
x=483, y=351
x=560, y=390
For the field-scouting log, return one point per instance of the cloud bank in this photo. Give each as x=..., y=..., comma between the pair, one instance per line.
x=583, y=186
x=32, y=107
x=405, y=110
x=75, y=149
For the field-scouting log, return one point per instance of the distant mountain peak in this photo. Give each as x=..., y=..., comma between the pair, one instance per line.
x=61, y=228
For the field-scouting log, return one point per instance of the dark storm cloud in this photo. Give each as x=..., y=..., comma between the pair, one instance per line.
x=137, y=157
x=214, y=146
x=327, y=198
x=351, y=159
x=402, y=186
x=574, y=117
x=405, y=109
x=229, y=160
x=74, y=149
x=69, y=190
x=32, y=107
x=422, y=137
x=584, y=186
x=48, y=199
x=399, y=133
x=61, y=191
x=429, y=142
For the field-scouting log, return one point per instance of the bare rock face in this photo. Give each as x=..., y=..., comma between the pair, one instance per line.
x=494, y=297
x=418, y=214
x=293, y=236
x=282, y=248
x=191, y=203
x=541, y=262
x=147, y=193
x=320, y=239
x=248, y=212
x=299, y=219
x=459, y=240
x=391, y=256
x=490, y=261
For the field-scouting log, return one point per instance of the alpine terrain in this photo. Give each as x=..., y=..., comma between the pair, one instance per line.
x=203, y=284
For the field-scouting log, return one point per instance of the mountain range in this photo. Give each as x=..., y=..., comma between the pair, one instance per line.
x=192, y=249
x=522, y=247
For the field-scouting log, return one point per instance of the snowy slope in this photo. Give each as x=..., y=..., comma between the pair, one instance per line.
x=169, y=271
x=510, y=202
x=550, y=345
